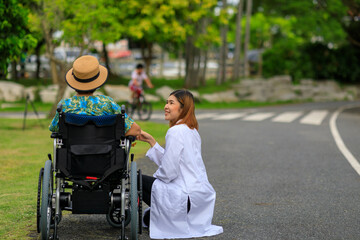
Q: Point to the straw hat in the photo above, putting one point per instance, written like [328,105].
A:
[86,74]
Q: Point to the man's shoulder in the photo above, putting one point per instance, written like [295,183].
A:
[103,98]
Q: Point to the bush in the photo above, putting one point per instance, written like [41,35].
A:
[313,60]
[347,64]
[285,57]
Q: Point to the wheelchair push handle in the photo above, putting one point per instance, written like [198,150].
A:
[131,138]
[59,108]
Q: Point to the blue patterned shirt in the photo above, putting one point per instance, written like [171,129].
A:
[90,105]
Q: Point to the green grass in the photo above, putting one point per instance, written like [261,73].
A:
[20,106]
[22,154]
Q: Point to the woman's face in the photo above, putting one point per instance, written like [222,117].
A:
[172,109]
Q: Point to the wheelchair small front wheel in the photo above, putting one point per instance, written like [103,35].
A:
[47,216]
[114,217]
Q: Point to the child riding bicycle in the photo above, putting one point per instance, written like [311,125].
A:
[137,78]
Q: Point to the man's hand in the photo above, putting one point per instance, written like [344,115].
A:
[146,137]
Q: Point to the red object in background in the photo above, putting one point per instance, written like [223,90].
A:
[119,54]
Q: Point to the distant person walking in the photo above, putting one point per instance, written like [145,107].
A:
[137,78]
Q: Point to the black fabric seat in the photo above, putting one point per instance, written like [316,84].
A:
[91,146]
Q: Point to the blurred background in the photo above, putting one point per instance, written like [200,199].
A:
[196,44]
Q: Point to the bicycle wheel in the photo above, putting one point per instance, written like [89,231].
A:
[145,110]
[129,109]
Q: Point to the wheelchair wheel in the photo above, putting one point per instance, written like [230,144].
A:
[145,110]
[38,213]
[140,200]
[134,202]
[114,217]
[46,218]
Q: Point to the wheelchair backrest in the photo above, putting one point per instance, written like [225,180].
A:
[91,145]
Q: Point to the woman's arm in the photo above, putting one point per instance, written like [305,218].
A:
[169,164]
[156,152]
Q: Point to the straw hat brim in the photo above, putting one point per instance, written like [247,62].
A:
[87,86]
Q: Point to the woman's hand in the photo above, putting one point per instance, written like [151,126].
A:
[146,137]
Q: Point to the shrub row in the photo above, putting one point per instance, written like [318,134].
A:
[315,61]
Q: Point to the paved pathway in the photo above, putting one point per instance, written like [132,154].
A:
[277,171]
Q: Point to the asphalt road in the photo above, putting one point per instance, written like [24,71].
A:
[274,180]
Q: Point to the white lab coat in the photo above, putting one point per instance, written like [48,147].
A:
[181,175]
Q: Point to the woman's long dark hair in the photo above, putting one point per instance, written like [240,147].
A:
[187,115]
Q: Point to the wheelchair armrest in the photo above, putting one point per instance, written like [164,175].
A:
[55,135]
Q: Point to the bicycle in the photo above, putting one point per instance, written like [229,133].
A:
[139,103]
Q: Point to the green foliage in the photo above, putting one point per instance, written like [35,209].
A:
[87,21]
[313,18]
[14,34]
[281,59]
[347,64]
[313,60]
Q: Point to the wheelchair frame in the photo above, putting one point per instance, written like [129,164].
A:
[112,190]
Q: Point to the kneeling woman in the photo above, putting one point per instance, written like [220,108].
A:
[180,196]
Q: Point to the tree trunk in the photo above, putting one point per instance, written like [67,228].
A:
[38,60]
[147,57]
[106,58]
[38,63]
[237,68]
[179,61]
[189,58]
[22,68]
[14,72]
[247,37]
[260,70]
[203,69]
[221,77]
[161,64]
[197,64]
[63,67]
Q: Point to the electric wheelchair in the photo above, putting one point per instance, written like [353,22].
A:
[90,173]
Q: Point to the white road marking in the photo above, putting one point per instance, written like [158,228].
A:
[230,116]
[258,116]
[315,117]
[287,117]
[205,115]
[340,143]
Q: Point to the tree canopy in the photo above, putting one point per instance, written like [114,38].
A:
[14,32]
[189,25]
